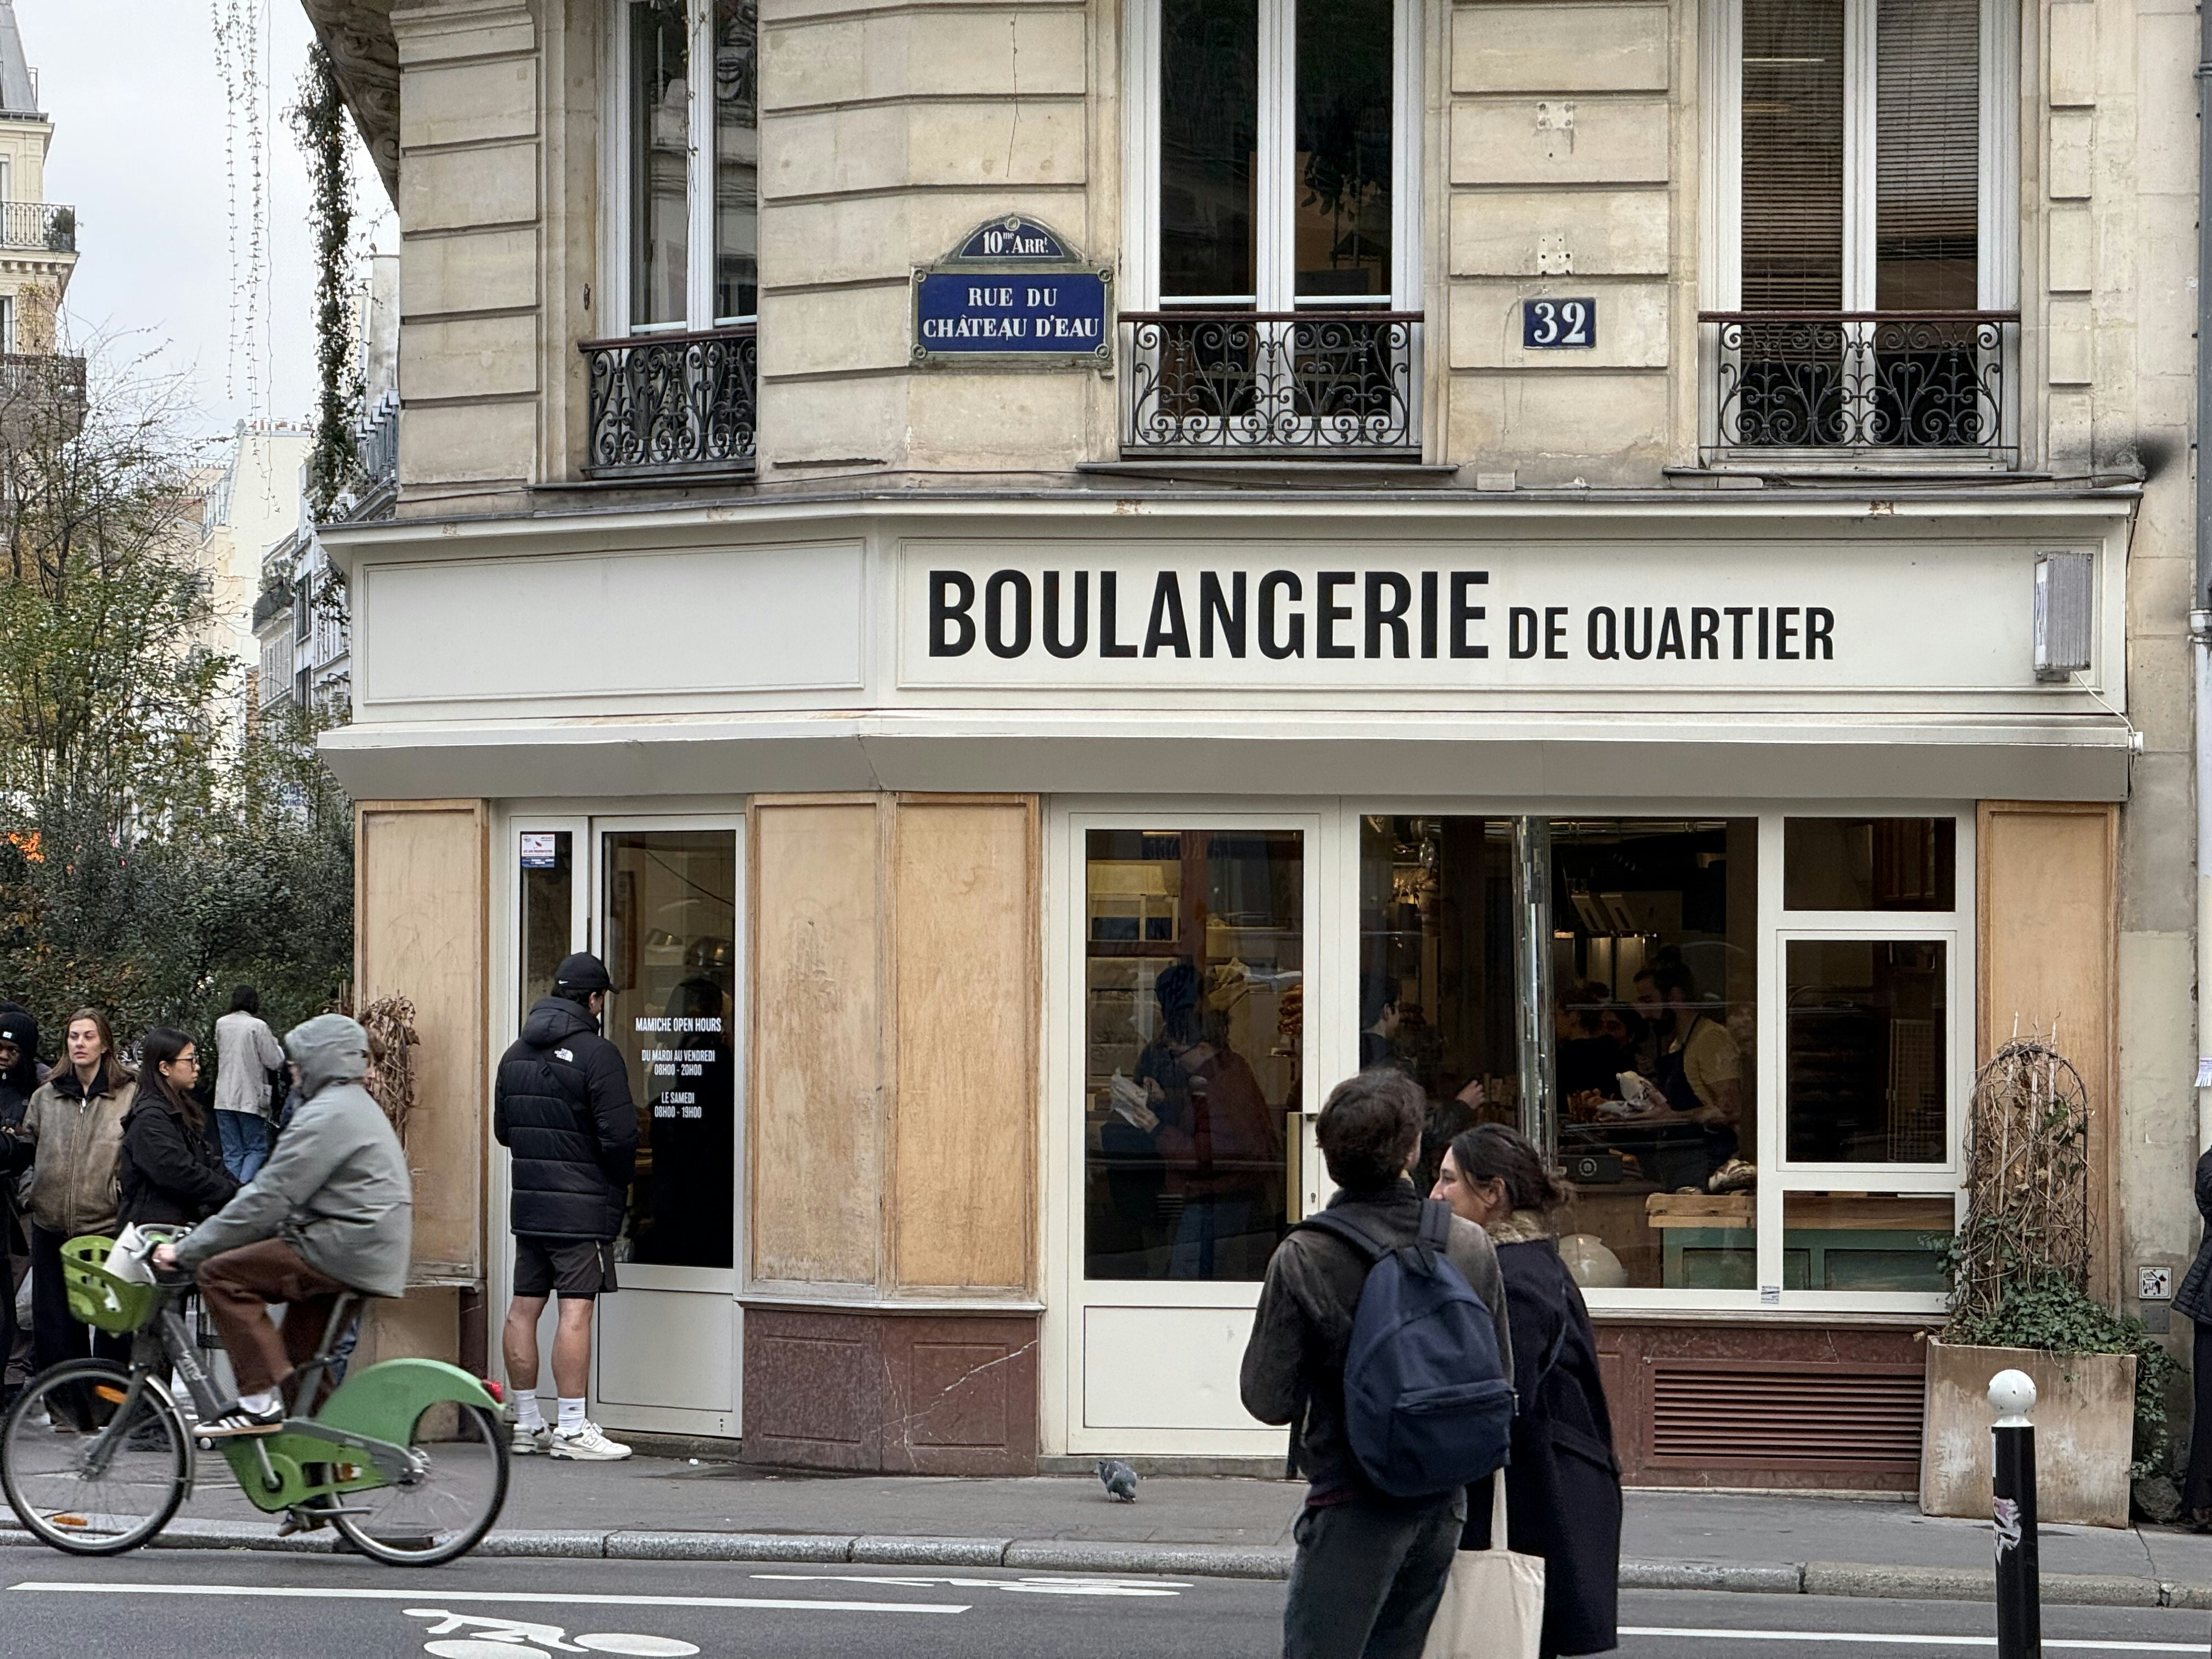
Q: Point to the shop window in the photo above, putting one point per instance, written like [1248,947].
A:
[1194,966]
[1866,1051]
[1654,1018]
[671,946]
[1870,864]
[1436,969]
[1865,254]
[549,888]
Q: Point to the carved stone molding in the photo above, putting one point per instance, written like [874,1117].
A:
[365,56]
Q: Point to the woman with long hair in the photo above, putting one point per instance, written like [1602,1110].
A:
[74,1122]
[172,1172]
[1563,1486]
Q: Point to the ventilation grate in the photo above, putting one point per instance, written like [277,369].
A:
[1738,1416]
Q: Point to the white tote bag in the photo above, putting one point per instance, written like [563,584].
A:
[1493,1605]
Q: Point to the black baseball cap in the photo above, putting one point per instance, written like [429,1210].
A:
[581,972]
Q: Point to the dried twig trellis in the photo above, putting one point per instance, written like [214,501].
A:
[390,1022]
[2027,1179]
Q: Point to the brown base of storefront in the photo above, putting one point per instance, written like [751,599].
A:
[1755,1403]
[891,1391]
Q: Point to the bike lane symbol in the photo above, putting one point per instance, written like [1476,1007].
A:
[513,1638]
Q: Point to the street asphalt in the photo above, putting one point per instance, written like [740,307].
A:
[208,1605]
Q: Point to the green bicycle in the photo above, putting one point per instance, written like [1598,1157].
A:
[407,1459]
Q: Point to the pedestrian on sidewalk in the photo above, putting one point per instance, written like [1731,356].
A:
[560,1105]
[1562,1485]
[1370,1568]
[246,1052]
[2193,1302]
[75,1123]
[171,1173]
[19,1078]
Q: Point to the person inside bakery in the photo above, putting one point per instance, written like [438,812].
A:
[1698,1072]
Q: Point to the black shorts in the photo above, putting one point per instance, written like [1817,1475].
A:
[573,1267]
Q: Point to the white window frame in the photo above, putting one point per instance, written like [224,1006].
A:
[1274,267]
[698,178]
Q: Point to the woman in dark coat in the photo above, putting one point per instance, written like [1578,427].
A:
[1563,1486]
[2193,1301]
[171,1169]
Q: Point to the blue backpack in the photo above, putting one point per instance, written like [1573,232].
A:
[1428,1406]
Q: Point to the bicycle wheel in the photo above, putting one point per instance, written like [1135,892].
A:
[95,1460]
[446,1509]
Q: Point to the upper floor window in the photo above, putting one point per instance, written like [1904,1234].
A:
[1274,235]
[1865,226]
[686,170]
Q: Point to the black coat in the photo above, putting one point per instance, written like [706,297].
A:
[1563,1486]
[169,1172]
[2193,1300]
[561,1104]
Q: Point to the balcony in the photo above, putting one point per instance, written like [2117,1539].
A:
[673,404]
[1913,387]
[49,227]
[1259,385]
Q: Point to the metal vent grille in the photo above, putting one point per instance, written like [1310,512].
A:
[1738,1415]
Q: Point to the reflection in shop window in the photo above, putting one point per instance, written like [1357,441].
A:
[1866,1050]
[549,880]
[1870,864]
[1195,956]
[672,953]
[1654,1010]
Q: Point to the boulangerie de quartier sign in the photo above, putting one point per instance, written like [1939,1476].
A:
[1663,615]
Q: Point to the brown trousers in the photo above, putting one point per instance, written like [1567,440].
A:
[238,1284]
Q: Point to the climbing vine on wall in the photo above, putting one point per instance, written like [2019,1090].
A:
[319,122]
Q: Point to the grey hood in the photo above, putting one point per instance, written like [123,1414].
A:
[328,1049]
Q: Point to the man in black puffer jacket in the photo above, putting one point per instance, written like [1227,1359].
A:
[561,1106]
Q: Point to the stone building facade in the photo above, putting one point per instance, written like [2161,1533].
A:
[1046,578]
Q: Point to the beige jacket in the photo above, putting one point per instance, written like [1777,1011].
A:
[74,1182]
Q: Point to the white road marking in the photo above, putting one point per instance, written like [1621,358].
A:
[340,1593]
[1861,1637]
[1012,1586]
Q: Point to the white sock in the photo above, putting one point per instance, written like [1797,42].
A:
[526,1414]
[263,1403]
[572,1416]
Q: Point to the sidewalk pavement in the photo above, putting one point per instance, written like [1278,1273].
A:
[664,1507]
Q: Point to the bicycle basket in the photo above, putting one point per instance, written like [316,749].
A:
[96,1296]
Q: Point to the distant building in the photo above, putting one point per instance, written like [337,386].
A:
[253,504]
[38,245]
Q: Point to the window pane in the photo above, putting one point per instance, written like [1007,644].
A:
[736,158]
[672,953]
[1655,1003]
[1866,1077]
[1793,155]
[1342,196]
[1436,969]
[1859,1241]
[660,144]
[1870,864]
[1194,1011]
[1927,154]
[549,886]
[1209,132]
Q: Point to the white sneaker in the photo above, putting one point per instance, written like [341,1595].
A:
[527,1442]
[588,1445]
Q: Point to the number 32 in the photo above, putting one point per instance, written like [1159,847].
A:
[1565,323]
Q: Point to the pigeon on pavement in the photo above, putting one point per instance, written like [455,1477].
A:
[1119,1478]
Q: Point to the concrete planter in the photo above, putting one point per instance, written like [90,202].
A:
[2084,1414]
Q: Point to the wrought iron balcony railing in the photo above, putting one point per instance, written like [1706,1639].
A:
[1233,384]
[663,404]
[47,225]
[1919,383]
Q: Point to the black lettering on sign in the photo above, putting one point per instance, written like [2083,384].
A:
[1166,631]
[1328,613]
[1604,635]
[1670,634]
[1073,645]
[1785,634]
[1462,613]
[1108,646]
[1820,625]
[952,629]
[1003,642]
[1736,613]
[1628,632]
[1763,612]
[1555,632]
[1520,632]
[1392,617]
[1704,632]
[1428,615]
[1272,644]
[1229,613]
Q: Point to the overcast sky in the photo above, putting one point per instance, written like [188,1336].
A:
[140,111]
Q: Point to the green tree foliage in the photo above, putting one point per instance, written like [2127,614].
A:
[319,122]
[156,844]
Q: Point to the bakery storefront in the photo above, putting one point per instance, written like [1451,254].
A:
[1710,849]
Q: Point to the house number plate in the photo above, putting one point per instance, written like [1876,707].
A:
[1558,325]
